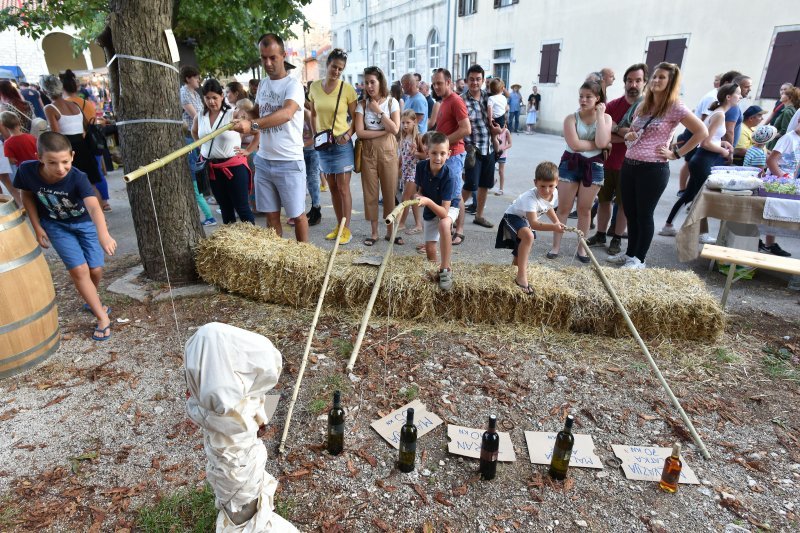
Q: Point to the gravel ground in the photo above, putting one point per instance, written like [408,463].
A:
[100,429]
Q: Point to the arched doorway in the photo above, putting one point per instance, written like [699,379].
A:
[58,55]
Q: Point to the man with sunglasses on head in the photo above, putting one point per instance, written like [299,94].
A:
[280,173]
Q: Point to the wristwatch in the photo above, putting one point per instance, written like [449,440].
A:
[254,126]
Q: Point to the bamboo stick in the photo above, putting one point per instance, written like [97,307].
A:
[376,287]
[642,345]
[324,289]
[172,156]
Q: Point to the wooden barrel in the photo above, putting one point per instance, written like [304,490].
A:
[29,331]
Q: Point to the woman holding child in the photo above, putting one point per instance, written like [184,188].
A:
[228,170]
[645,171]
[377,123]
[587,132]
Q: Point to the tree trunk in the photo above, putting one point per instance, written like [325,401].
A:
[144,90]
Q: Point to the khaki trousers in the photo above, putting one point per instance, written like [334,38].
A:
[379,167]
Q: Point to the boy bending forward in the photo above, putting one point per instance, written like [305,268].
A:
[439,192]
[65,212]
[517,229]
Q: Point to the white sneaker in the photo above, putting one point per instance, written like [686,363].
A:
[705,238]
[668,230]
[618,259]
[633,263]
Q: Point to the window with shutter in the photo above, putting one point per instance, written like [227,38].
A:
[784,64]
[504,3]
[548,70]
[669,50]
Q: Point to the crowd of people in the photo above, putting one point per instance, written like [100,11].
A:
[439,142]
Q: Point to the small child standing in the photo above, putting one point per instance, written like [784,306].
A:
[411,151]
[498,105]
[65,212]
[517,229]
[504,139]
[20,146]
[439,193]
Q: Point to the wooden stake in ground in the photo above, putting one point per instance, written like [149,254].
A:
[322,291]
[376,287]
[642,345]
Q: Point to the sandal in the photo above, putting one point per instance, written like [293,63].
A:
[369,241]
[397,240]
[525,288]
[551,255]
[413,231]
[102,333]
[460,237]
[583,258]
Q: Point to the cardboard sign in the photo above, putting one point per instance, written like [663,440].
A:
[540,448]
[271,404]
[645,463]
[467,442]
[389,426]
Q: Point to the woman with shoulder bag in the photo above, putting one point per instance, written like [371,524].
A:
[331,101]
[227,163]
[377,123]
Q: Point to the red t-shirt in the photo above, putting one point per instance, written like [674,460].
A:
[451,112]
[616,109]
[21,147]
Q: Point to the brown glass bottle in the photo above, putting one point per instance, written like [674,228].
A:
[490,446]
[336,426]
[562,451]
[672,470]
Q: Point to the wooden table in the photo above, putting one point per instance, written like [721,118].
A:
[726,207]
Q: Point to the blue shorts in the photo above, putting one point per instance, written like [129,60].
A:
[508,232]
[280,184]
[337,159]
[75,242]
[576,176]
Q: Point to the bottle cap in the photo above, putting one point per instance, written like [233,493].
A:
[492,421]
[676,449]
[568,423]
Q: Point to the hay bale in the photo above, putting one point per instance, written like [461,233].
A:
[254,262]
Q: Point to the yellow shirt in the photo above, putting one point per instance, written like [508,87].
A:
[324,105]
[745,138]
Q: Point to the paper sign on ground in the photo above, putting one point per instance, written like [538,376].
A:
[270,404]
[540,448]
[467,442]
[645,463]
[389,426]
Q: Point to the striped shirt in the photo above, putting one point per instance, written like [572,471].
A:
[755,157]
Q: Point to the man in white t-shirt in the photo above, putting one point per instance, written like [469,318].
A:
[280,173]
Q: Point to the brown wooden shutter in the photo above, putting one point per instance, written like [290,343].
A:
[784,64]
[497,3]
[548,71]
[461,7]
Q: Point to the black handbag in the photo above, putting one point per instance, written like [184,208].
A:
[95,138]
[202,162]
[325,139]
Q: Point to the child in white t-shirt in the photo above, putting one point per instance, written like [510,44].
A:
[498,105]
[517,229]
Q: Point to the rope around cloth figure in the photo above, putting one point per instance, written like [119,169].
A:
[641,343]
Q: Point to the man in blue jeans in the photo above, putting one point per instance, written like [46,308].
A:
[514,107]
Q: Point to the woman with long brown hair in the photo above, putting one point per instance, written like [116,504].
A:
[11,100]
[645,171]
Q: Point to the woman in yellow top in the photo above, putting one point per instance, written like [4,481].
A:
[336,162]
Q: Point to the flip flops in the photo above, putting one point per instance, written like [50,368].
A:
[459,236]
[369,241]
[102,334]
[527,289]
[397,240]
[413,231]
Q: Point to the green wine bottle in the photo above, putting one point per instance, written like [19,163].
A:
[336,426]
[562,451]
[408,443]
[490,446]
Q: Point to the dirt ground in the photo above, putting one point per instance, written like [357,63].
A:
[99,430]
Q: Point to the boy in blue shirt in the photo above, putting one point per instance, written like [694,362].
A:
[439,193]
[65,212]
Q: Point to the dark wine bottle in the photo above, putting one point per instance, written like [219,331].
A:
[562,451]
[408,443]
[671,474]
[336,426]
[490,447]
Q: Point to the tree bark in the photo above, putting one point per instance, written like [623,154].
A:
[144,90]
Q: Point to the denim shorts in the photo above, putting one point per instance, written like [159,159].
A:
[76,242]
[456,165]
[508,232]
[280,184]
[337,159]
[576,176]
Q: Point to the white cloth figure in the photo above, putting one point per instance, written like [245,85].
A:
[228,373]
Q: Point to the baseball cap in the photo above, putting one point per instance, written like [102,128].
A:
[752,110]
[764,134]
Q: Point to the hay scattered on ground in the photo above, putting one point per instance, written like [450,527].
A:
[254,262]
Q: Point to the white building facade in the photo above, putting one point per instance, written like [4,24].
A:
[554,44]
[398,36]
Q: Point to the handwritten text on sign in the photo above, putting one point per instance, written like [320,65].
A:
[540,448]
[645,463]
[467,442]
[389,426]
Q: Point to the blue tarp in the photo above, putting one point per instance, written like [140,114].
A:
[15,70]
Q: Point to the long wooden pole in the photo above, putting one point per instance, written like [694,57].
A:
[321,298]
[642,345]
[172,156]
[376,287]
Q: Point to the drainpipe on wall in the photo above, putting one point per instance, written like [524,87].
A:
[455,19]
